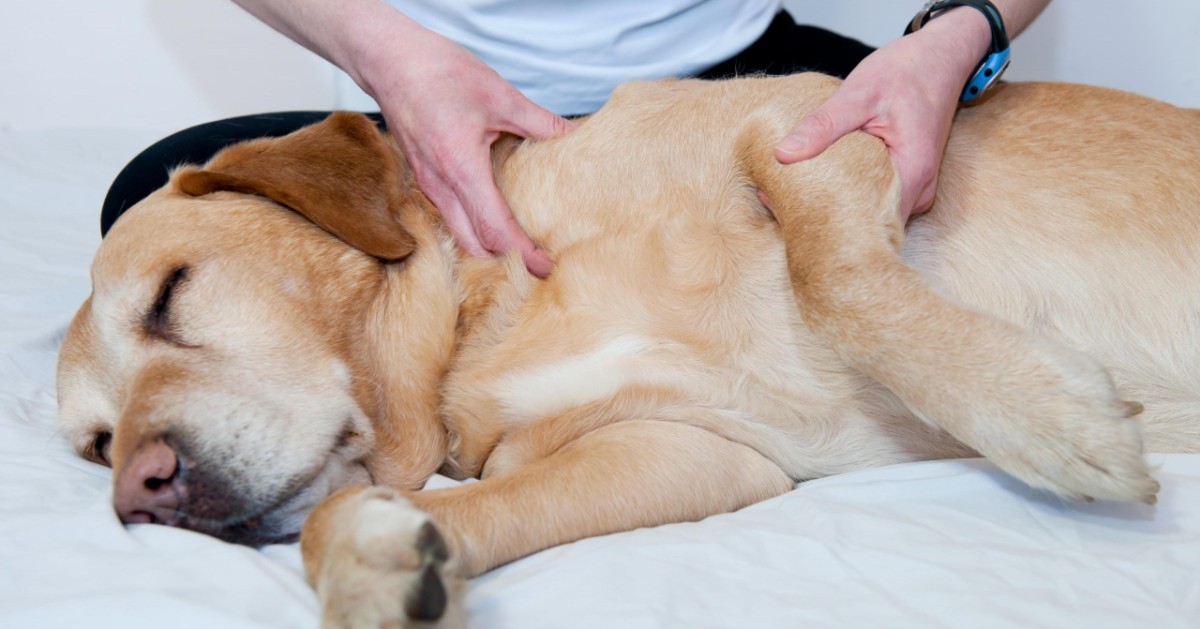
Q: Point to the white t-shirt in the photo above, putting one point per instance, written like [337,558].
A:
[568,55]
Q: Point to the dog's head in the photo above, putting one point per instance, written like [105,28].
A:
[243,323]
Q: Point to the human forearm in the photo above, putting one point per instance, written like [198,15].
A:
[347,33]
[1018,14]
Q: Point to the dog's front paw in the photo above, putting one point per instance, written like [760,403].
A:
[1070,434]
[386,567]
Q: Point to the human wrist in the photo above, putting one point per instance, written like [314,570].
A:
[370,37]
[960,37]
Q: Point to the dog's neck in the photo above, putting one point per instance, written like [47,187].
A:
[428,308]
[408,344]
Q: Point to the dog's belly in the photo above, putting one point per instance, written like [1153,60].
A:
[1080,222]
[1134,309]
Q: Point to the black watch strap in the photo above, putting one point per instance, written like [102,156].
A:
[994,63]
[989,11]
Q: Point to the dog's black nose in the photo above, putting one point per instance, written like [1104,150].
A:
[149,488]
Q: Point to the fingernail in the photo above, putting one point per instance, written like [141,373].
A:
[762,196]
[539,264]
[792,144]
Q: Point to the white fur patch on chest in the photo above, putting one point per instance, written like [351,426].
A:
[582,378]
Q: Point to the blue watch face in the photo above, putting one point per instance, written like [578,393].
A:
[986,74]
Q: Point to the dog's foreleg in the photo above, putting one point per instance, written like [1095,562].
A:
[377,554]
[377,561]
[619,477]
[1044,413]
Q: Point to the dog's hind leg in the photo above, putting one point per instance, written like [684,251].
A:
[1044,413]
[375,554]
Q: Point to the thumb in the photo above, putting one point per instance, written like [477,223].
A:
[539,124]
[815,133]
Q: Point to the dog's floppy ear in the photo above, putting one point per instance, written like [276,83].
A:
[339,173]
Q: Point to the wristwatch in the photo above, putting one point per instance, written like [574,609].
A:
[994,63]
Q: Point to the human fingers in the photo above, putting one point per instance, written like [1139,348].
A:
[452,162]
[528,120]
[915,130]
[817,131]
[455,218]
[491,220]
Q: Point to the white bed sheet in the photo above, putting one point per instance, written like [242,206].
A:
[940,544]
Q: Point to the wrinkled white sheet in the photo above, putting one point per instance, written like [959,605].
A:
[942,544]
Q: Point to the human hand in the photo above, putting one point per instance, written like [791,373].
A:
[446,108]
[904,93]
[443,105]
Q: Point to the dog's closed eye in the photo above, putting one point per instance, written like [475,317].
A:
[157,320]
[97,451]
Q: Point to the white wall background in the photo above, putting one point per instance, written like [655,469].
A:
[167,64]
[1149,46]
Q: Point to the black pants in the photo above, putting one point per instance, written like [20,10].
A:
[785,48]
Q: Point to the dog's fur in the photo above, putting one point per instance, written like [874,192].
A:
[693,351]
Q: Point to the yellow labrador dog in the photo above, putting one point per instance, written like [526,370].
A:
[290,327]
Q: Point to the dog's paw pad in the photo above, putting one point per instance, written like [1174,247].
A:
[427,598]
[390,568]
[431,544]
